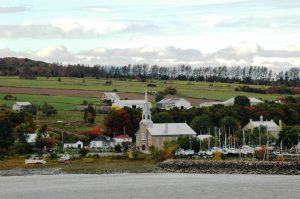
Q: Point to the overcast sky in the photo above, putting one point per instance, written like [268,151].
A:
[165,32]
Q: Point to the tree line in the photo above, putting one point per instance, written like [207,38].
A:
[26,68]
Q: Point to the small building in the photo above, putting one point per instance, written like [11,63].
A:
[120,139]
[112,96]
[271,126]
[103,142]
[73,144]
[169,103]
[31,138]
[150,134]
[19,106]
[203,137]
[130,103]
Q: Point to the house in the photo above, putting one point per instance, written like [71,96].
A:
[130,103]
[271,126]
[230,102]
[169,103]
[121,139]
[112,96]
[151,134]
[31,138]
[73,144]
[103,142]
[19,106]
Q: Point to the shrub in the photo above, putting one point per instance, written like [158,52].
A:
[53,156]
[108,83]
[118,148]
[151,85]
[59,79]
[84,151]
[170,90]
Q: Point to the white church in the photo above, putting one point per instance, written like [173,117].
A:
[150,134]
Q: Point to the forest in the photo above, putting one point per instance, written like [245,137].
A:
[30,69]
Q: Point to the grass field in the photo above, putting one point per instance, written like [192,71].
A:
[66,107]
[205,90]
[61,103]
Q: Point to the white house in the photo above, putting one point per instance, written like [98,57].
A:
[230,102]
[112,96]
[103,142]
[130,103]
[19,106]
[150,134]
[169,103]
[73,144]
[120,139]
[31,138]
[271,126]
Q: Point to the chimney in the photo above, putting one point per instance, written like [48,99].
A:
[166,128]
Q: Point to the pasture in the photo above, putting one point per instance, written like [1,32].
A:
[203,90]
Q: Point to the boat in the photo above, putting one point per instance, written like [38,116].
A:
[35,160]
[247,150]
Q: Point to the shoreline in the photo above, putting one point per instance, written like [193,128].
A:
[230,167]
[174,166]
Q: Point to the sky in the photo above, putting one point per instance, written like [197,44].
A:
[164,32]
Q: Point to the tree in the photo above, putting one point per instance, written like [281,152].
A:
[94,132]
[241,101]
[202,123]
[6,135]
[159,96]
[89,114]
[124,119]
[162,117]
[187,142]
[289,136]
[48,110]
[170,90]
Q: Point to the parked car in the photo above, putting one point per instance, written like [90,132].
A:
[35,160]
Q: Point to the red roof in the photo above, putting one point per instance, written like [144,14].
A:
[122,136]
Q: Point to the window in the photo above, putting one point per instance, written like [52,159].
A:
[148,117]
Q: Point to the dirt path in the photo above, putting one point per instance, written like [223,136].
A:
[85,93]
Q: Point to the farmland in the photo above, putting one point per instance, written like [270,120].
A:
[191,89]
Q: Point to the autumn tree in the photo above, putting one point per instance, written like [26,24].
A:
[124,119]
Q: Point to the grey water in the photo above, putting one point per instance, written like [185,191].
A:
[152,185]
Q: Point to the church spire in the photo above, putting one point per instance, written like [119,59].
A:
[146,115]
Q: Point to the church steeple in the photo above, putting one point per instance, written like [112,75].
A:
[146,114]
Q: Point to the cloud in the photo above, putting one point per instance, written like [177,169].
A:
[15,9]
[63,28]
[243,54]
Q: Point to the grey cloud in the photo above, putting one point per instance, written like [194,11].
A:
[169,56]
[15,9]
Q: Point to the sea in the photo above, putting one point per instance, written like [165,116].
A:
[149,185]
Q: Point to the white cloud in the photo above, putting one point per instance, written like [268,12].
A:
[243,54]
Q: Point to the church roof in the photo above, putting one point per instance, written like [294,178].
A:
[171,129]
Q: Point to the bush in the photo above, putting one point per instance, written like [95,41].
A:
[108,83]
[53,156]
[118,148]
[84,151]
[170,90]
[59,79]
[159,96]
[151,85]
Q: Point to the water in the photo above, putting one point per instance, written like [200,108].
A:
[167,185]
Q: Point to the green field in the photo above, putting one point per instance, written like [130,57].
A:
[66,107]
[61,103]
[204,90]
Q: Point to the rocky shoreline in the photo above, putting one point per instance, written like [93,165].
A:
[230,167]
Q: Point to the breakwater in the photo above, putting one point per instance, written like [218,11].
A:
[230,167]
